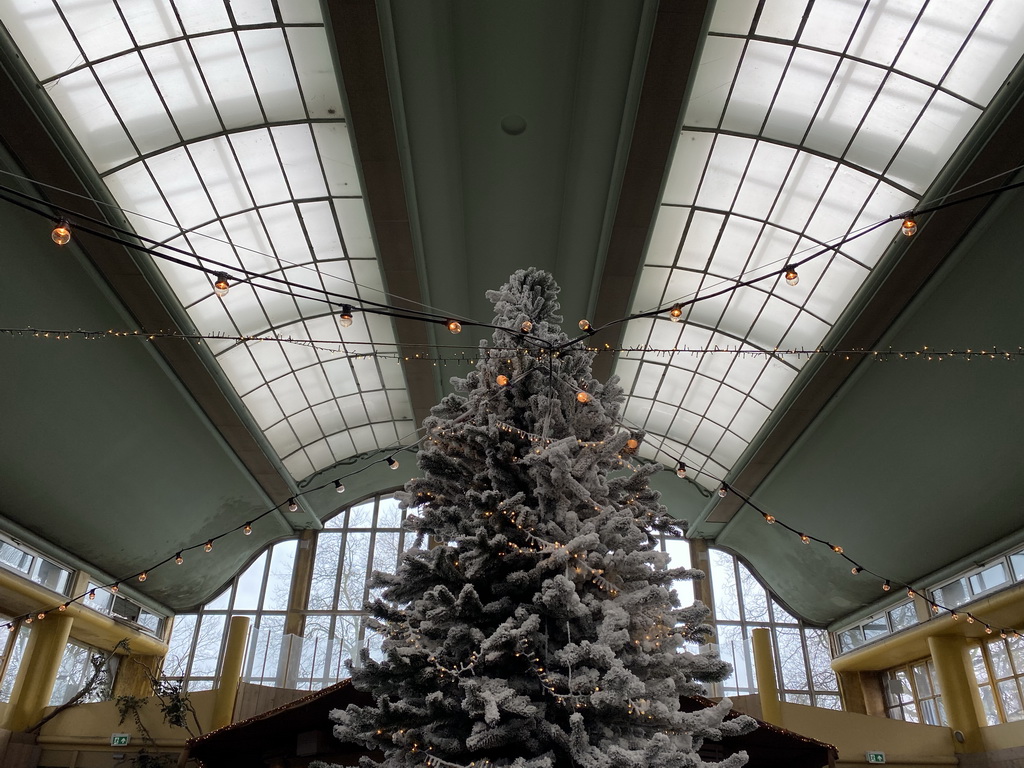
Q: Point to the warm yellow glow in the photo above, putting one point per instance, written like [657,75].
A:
[675,313]
[247,530]
[791,276]
[584,325]
[632,444]
[345,316]
[583,397]
[143,576]
[909,226]
[455,326]
[208,546]
[221,285]
[61,234]
[502,380]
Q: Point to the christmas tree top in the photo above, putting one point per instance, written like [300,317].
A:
[534,625]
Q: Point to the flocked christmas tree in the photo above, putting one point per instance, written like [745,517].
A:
[535,626]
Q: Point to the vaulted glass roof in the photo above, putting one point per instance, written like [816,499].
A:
[806,123]
[219,128]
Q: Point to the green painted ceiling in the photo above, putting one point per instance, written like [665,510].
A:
[487,137]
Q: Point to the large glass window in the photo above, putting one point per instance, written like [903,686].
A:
[33,566]
[75,671]
[803,660]
[912,694]
[13,643]
[363,538]
[999,671]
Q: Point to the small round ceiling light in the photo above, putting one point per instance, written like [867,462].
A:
[221,285]
[345,316]
[61,233]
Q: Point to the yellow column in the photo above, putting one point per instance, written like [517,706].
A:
[38,671]
[230,671]
[700,559]
[764,669]
[960,695]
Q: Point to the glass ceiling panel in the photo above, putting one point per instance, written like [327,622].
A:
[806,122]
[225,136]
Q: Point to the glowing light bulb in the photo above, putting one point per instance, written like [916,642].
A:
[92,594]
[770,519]
[723,492]
[886,586]
[28,620]
[527,326]
[675,313]
[583,397]
[345,316]
[221,285]
[585,325]
[247,530]
[856,570]
[143,576]
[837,549]
[970,619]
[61,234]
[681,470]
[909,226]
[502,380]
[632,444]
[115,588]
[178,559]
[63,607]
[42,615]
[454,326]
[805,538]
[911,593]
[208,546]
[392,463]
[293,505]
[339,487]
[955,615]
[791,276]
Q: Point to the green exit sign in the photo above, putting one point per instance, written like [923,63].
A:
[875,757]
[120,739]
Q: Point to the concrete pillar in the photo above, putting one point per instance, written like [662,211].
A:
[38,671]
[302,574]
[960,695]
[767,682]
[230,671]
[700,559]
[862,693]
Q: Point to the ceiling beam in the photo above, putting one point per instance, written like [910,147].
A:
[674,46]
[357,36]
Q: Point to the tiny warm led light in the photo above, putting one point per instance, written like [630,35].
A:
[632,444]
[247,530]
[454,326]
[64,607]
[345,316]
[178,559]
[221,285]
[955,615]
[911,593]
[681,470]
[909,226]
[28,620]
[293,505]
[970,619]
[791,276]
[92,594]
[675,313]
[339,486]
[502,380]
[42,615]
[585,325]
[143,576]
[805,538]
[115,588]
[208,546]
[583,397]
[527,326]
[392,462]
[770,519]
[988,630]
[837,549]
[61,234]
[723,491]
[886,586]
[856,570]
